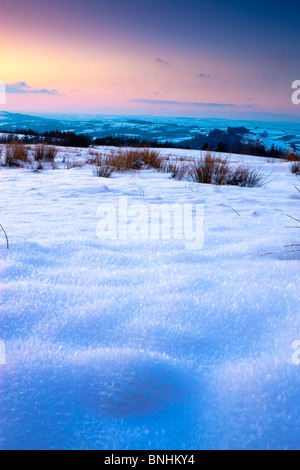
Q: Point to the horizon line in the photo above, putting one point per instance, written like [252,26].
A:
[265,117]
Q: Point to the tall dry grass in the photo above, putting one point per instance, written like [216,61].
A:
[125,159]
[210,170]
[16,153]
[291,156]
[217,171]
[295,168]
[46,153]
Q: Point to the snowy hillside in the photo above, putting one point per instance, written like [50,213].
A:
[144,344]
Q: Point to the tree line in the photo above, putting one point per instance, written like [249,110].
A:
[71,139]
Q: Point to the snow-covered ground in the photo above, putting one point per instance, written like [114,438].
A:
[122,344]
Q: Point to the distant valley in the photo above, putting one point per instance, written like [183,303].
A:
[186,131]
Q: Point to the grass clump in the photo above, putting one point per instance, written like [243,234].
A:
[218,171]
[45,153]
[69,164]
[292,156]
[295,168]
[50,153]
[134,159]
[177,171]
[16,154]
[210,170]
[104,168]
[125,159]
[104,171]
[151,158]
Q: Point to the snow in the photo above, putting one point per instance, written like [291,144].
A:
[122,344]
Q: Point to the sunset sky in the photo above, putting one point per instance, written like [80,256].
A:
[195,58]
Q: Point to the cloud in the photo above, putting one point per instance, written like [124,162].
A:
[181,103]
[161,61]
[24,88]
[204,75]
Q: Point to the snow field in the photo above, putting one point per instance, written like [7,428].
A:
[121,344]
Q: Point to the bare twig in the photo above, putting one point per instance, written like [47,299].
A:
[7,244]
[271,253]
[235,211]
[293,218]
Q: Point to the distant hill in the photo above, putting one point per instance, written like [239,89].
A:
[12,121]
[218,140]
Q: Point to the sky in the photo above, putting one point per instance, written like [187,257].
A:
[195,58]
